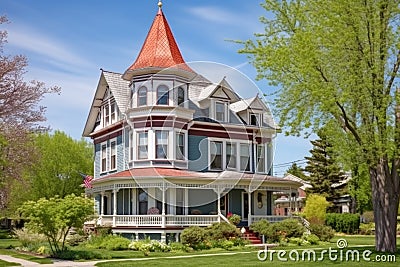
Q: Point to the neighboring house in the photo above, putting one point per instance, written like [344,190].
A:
[172,149]
[287,204]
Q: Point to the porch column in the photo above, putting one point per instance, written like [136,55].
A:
[163,209]
[249,200]
[102,204]
[115,191]
[219,205]
[296,204]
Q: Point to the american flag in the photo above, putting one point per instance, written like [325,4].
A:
[87,180]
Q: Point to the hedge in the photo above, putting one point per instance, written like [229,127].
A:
[343,222]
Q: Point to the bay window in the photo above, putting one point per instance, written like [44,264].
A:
[142,145]
[244,157]
[216,155]
[231,155]
[180,146]
[161,144]
[260,158]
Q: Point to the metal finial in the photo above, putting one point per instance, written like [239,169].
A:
[159,4]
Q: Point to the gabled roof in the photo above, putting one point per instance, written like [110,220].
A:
[224,86]
[120,90]
[159,50]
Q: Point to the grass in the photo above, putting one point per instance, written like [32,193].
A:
[23,256]
[6,263]
[249,258]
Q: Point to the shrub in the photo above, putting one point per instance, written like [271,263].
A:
[76,239]
[234,219]
[31,241]
[222,231]
[311,238]
[368,217]
[193,236]
[323,232]
[343,222]
[291,228]
[81,255]
[367,228]
[261,227]
[109,242]
[315,209]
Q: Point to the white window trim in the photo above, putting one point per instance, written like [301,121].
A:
[259,119]
[265,158]
[136,135]
[233,141]
[185,143]
[110,155]
[213,110]
[105,169]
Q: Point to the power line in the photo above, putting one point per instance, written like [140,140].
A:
[300,161]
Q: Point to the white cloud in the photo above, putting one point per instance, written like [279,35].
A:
[52,51]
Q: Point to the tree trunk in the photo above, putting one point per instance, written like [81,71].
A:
[385,200]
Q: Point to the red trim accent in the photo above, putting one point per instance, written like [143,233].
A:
[106,130]
[107,137]
[225,135]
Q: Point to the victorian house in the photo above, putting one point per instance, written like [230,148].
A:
[173,149]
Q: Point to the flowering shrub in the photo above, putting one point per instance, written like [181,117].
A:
[153,210]
[147,246]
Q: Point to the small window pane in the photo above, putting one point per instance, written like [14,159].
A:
[231,155]
[162,95]
[180,146]
[244,157]
[142,96]
[220,111]
[260,158]
[216,155]
[103,158]
[113,159]
[142,145]
[161,144]
[181,96]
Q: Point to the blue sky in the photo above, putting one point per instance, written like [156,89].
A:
[67,42]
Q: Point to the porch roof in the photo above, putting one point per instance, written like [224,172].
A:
[180,174]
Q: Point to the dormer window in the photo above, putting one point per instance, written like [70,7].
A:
[181,96]
[255,119]
[221,113]
[142,96]
[162,95]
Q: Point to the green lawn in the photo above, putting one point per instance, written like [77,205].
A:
[249,258]
[6,263]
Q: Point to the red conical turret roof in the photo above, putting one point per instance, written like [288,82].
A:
[160,49]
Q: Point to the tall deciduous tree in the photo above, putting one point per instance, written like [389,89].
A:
[60,161]
[339,60]
[20,114]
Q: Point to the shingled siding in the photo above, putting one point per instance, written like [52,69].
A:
[198,153]
[120,154]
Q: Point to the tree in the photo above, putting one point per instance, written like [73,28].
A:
[60,161]
[297,171]
[323,170]
[337,63]
[20,115]
[315,209]
[54,217]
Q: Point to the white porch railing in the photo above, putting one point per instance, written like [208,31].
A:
[157,220]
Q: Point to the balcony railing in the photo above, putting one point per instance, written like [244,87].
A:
[170,220]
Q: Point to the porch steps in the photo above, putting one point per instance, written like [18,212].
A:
[252,237]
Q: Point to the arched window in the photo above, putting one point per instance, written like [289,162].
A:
[162,95]
[181,96]
[142,96]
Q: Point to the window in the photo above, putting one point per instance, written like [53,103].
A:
[142,145]
[113,156]
[255,119]
[103,157]
[142,96]
[143,201]
[161,144]
[131,146]
[244,157]
[260,158]
[106,116]
[216,155]
[231,155]
[162,95]
[220,111]
[113,113]
[181,96]
[180,146]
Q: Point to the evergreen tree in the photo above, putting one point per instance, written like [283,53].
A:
[297,171]
[323,169]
